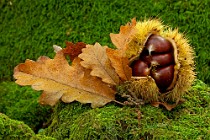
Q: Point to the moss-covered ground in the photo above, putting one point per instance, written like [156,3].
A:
[21,103]
[17,130]
[26,118]
[189,120]
[8,126]
[28,29]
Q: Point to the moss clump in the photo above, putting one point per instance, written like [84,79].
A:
[12,129]
[16,130]
[76,121]
[41,137]
[21,103]
[189,120]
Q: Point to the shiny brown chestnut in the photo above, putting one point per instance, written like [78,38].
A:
[140,68]
[158,59]
[158,44]
[163,76]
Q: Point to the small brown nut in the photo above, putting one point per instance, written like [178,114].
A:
[158,44]
[163,59]
[158,59]
[140,68]
[163,77]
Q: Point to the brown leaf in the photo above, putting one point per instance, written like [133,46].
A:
[95,58]
[120,63]
[59,80]
[169,107]
[73,50]
[50,98]
[120,40]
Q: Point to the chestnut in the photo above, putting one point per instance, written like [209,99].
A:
[163,77]
[163,59]
[158,44]
[158,59]
[140,68]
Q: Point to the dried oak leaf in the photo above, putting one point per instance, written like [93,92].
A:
[168,106]
[95,58]
[73,50]
[59,80]
[121,39]
[120,63]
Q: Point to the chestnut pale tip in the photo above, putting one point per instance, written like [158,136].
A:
[151,49]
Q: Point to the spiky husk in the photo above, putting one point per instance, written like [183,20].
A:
[185,56]
[145,88]
[140,35]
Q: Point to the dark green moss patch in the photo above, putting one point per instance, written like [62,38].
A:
[21,103]
[17,130]
[12,129]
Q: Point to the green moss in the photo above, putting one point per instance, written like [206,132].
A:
[21,103]
[76,121]
[29,30]
[11,129]
[189,120]
[41,137]
[17,130]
